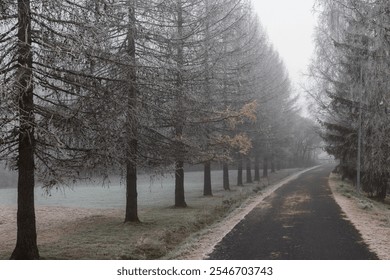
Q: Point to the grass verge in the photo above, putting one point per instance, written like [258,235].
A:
[163,229]
[370,217]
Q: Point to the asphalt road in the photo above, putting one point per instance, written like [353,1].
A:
[300,221]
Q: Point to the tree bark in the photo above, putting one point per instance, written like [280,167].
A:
[132,125]
[26,242]
[226,185]
[179,124]
[131,193]
[248,170]
[239,172]
[179,185]
[207,190]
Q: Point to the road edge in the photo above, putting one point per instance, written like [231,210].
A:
[367,220]
[204,242]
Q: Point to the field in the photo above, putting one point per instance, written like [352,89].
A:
[82,232]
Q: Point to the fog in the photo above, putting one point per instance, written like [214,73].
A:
[151,192]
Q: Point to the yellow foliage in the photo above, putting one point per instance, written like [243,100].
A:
[247,112]
[241,142]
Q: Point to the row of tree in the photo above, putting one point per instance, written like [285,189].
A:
[97,87]
[351,72]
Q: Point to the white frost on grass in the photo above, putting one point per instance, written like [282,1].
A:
[52,222]
[371,218]
[57,222]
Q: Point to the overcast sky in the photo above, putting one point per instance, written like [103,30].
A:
[290,26]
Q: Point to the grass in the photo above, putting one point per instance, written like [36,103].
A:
[347,189]
[363,200]
[370,216]
[163,229]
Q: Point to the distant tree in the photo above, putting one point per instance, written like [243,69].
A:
[193,55]
[275,110]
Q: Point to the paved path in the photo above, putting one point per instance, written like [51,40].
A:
[300,221]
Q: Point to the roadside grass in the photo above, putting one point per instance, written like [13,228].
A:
[162,229]
[101,237]
[347,189]
[371,217]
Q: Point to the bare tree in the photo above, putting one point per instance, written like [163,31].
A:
[26,244]
[46,80]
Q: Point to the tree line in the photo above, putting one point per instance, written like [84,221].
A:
[352,89]
[96,87]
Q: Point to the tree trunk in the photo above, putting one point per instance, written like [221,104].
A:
[131,193]
[239,172]
[26,242]
[179,122]
[248,170]
[265,167]
[179,185]
[226,185]
[207,190]
[257,168]
[132,126]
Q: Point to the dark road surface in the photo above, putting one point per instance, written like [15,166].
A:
[300,221]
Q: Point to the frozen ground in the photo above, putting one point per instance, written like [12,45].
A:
[61,213]
[152,192]
[56,219]
[371,218]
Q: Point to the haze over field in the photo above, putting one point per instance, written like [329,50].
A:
[152,192]
[122,87]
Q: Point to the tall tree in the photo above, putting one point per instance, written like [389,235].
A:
[178,121]
[44,85]
[207,188]
[352,88]
[26,242]
[131,122]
